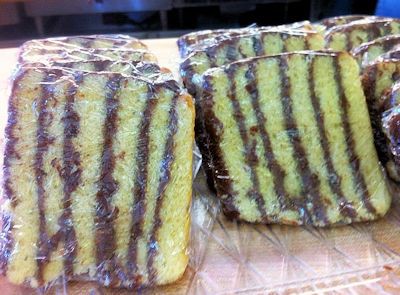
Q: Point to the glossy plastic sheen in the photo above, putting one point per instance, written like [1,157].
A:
[97,172]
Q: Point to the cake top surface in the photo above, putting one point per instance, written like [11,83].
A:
[391,55]
[309,54]
[98,41]
[344,19]
[146,69]
[198,40]
[367,24]
[221,44]
[386,41]
[36,54]
[64,74]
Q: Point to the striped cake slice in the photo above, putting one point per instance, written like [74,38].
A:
[244,46]
[377,79]
[353,34]
[391,128]
[291,142]
[97,179]
[368,52]
[34,54]
[88,41]
[192,41]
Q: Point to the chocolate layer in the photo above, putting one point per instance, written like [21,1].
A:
[353,157]
[105,212]
[141,182]
[165,177]
[310,181]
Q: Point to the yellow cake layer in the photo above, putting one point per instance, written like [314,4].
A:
[322,94]
[166,233]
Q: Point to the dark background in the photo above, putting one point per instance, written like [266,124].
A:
[20,20]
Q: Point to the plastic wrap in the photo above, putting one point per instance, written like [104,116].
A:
[377,78]
[342,20]
[97,173]
[350,35]
[295,133]
[198,40]
[369,51]
[391,125]
[234,257]
[243,46]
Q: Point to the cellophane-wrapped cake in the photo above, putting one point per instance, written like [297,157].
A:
[97,169]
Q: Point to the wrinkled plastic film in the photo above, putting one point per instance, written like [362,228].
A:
[231,256]
[97,171]
[257,106]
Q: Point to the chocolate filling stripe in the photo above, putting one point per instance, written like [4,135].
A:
[140,185]
[6,237]
[258,45]
[213,129]
[349,42]
[165,175]
[71,173]
[107,185]
[251,157]
[278,173]
[310,181]
[334,179]
[353,157]
[11,140]
[43,141]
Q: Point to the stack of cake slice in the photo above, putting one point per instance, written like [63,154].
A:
[375,43]
[98,167]
[279,129]
[378,79]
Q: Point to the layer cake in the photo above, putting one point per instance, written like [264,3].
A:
[97,179]
[289,140]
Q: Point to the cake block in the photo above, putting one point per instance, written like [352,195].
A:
[289,140]
[98,179]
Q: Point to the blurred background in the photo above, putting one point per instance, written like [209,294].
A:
[27,19]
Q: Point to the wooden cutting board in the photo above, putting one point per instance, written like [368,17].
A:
[231,257]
